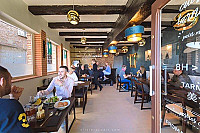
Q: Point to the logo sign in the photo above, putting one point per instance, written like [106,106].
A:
[186,19]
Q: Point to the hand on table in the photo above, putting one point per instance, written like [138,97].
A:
[16,92]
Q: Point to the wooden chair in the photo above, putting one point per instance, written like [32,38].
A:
[88,79]
[139,92]
[121,84]
[178,103]
[81,92]
[132,85]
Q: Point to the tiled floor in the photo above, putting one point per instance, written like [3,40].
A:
[111,111]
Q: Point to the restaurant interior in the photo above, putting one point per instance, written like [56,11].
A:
[132,66]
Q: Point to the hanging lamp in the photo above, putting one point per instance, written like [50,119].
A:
[112,49]
[142,42]
[105,53]
[83,39]
[134,33]
[73,16]
[124,49]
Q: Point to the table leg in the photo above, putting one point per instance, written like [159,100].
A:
[66,121]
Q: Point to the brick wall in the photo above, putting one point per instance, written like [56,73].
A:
[103,60]
[40,62]
[9,36]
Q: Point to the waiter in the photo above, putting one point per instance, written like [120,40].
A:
[96,75]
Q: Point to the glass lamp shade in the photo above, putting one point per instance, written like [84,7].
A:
[112,49]
[73,17]
[125,49]
[83,40]
[105,54]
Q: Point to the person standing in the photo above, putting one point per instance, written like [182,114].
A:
[96,75]
[12,115]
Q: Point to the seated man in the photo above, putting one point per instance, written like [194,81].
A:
[124,77]
[12,115]
[62,83]
[72,75]
[179,77]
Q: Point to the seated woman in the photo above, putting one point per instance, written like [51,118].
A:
[72,75]
[142,72]
[124,77]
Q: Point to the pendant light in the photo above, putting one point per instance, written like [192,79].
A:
[142,42]
[105,53]
[73,16]
[83,39]
[124,49]
[112,48]
[134,33]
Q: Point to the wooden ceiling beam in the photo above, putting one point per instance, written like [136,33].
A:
[81,25]
[88,39]
[82,10]
[81,33]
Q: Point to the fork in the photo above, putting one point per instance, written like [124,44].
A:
[51,114]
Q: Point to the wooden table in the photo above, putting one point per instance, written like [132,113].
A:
[85,84]
[53,123]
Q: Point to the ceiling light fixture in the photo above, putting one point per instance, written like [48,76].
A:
[134,33]
[142,42]
[83,39]
[73,16]
[124,49]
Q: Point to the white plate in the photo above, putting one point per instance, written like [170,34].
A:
[79,82]
[61,108]
[59,97]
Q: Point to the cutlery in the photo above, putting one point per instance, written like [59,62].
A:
[51,114]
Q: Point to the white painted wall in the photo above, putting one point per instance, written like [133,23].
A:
[16,12]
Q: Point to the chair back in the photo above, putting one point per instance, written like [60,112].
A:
[139,86]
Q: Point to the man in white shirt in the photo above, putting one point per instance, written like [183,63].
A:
[62,83]
[72,75]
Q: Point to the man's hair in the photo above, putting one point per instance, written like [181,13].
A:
[66,68]
[94,60]
[123,66]
[4,73]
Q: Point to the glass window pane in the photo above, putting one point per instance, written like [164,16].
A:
[15,50]
[180,49]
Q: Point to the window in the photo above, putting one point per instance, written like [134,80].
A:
[15,50]
[51,57]
[64,58]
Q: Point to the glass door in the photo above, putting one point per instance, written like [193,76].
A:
[180,67]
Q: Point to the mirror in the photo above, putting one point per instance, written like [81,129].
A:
[133,60]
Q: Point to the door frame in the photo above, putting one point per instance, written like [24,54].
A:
[156,61]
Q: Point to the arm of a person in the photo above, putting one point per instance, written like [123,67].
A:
[75,77]
[68,88]
[50,87]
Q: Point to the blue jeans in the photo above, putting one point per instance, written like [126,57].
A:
[125,85]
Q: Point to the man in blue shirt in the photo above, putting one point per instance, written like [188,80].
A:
[12,115]
[124,77]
